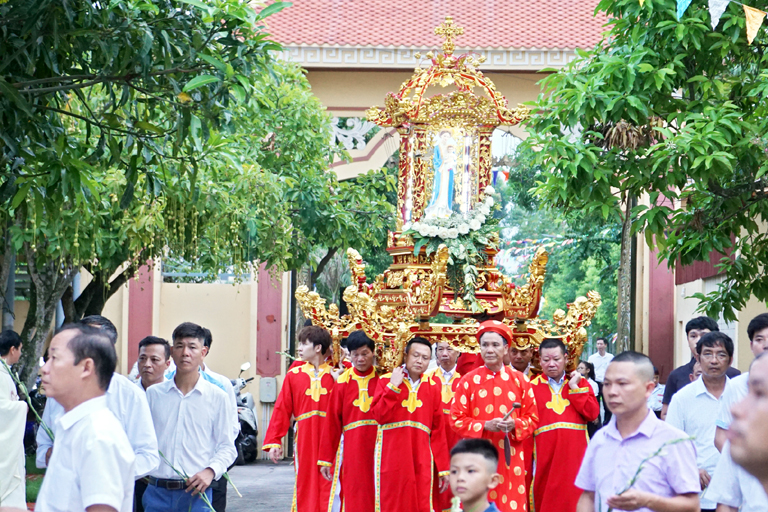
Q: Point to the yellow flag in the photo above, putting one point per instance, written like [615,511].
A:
[754,20]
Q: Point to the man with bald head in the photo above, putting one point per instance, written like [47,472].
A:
[496,402]
[668,482]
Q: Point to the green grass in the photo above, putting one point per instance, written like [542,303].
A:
[34,479]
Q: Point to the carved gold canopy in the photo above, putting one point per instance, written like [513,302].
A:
[444,168]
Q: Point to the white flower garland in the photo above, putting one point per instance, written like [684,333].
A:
[457,223]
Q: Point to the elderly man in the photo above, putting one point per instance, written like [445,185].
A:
[92,467]
[668,482]
[497,403]
[13,416]
[566,404]
[409,410]
[447,377]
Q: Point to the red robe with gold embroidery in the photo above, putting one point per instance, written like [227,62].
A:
[442,501]
[350,414]
[560,442]
[305,396]
[483,395]
[410,442]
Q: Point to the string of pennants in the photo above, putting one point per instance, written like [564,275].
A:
[754,17]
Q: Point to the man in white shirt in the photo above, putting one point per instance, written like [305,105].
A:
[219,487]
[154,360]
[694,408]
[193,421]
[757,330]
[13,418]
[92,467]
[747,434]
[600,361]
[126,402]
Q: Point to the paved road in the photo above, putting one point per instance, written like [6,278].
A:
[265,487]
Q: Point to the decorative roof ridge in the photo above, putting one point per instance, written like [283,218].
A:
[433,48]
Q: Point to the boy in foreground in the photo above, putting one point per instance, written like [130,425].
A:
[473,474]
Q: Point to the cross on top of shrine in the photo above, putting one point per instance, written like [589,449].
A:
[449,32]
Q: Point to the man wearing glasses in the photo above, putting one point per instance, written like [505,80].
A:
[694,408]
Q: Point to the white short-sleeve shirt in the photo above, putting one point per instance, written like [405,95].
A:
[93,463]
[129,405]
[693,410]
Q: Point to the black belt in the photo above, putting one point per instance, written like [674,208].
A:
[165,483]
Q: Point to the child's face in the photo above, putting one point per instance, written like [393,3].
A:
[471,477]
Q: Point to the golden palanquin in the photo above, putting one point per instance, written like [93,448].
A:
[455,129]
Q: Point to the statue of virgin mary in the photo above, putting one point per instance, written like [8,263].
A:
[444,164]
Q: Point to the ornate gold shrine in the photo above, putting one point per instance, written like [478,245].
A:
[445,167]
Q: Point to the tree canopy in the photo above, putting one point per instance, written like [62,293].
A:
[671,113]
[137,129]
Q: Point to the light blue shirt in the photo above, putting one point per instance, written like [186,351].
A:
[556,385]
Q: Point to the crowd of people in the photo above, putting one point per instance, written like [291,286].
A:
[482,430]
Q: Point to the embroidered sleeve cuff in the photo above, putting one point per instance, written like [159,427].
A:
[443,473]
[270,446]
[579,391]
[393,388]
[324,464]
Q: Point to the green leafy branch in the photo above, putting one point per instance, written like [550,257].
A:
[643,462]
[185,477]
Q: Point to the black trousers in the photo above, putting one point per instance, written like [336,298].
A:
[219,499]
[601,399]
[138,492]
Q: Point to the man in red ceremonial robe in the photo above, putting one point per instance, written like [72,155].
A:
[447,377]
[566,404]
[305,396]
[482,401]
[409,409]
[349,414]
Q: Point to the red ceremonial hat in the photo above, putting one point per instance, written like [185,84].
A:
[499,328]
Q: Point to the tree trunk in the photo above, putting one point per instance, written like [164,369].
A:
[624,327]
[94,297]
[321,266]
[48,281]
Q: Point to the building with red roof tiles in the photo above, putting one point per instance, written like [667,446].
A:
[356,51]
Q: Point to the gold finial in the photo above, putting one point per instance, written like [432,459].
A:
[449,32]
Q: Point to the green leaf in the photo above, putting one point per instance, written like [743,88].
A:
[20,195]
[198,4]
[213,62]
[200,81]
[273,9]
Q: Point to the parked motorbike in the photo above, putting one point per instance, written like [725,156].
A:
[247,442]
